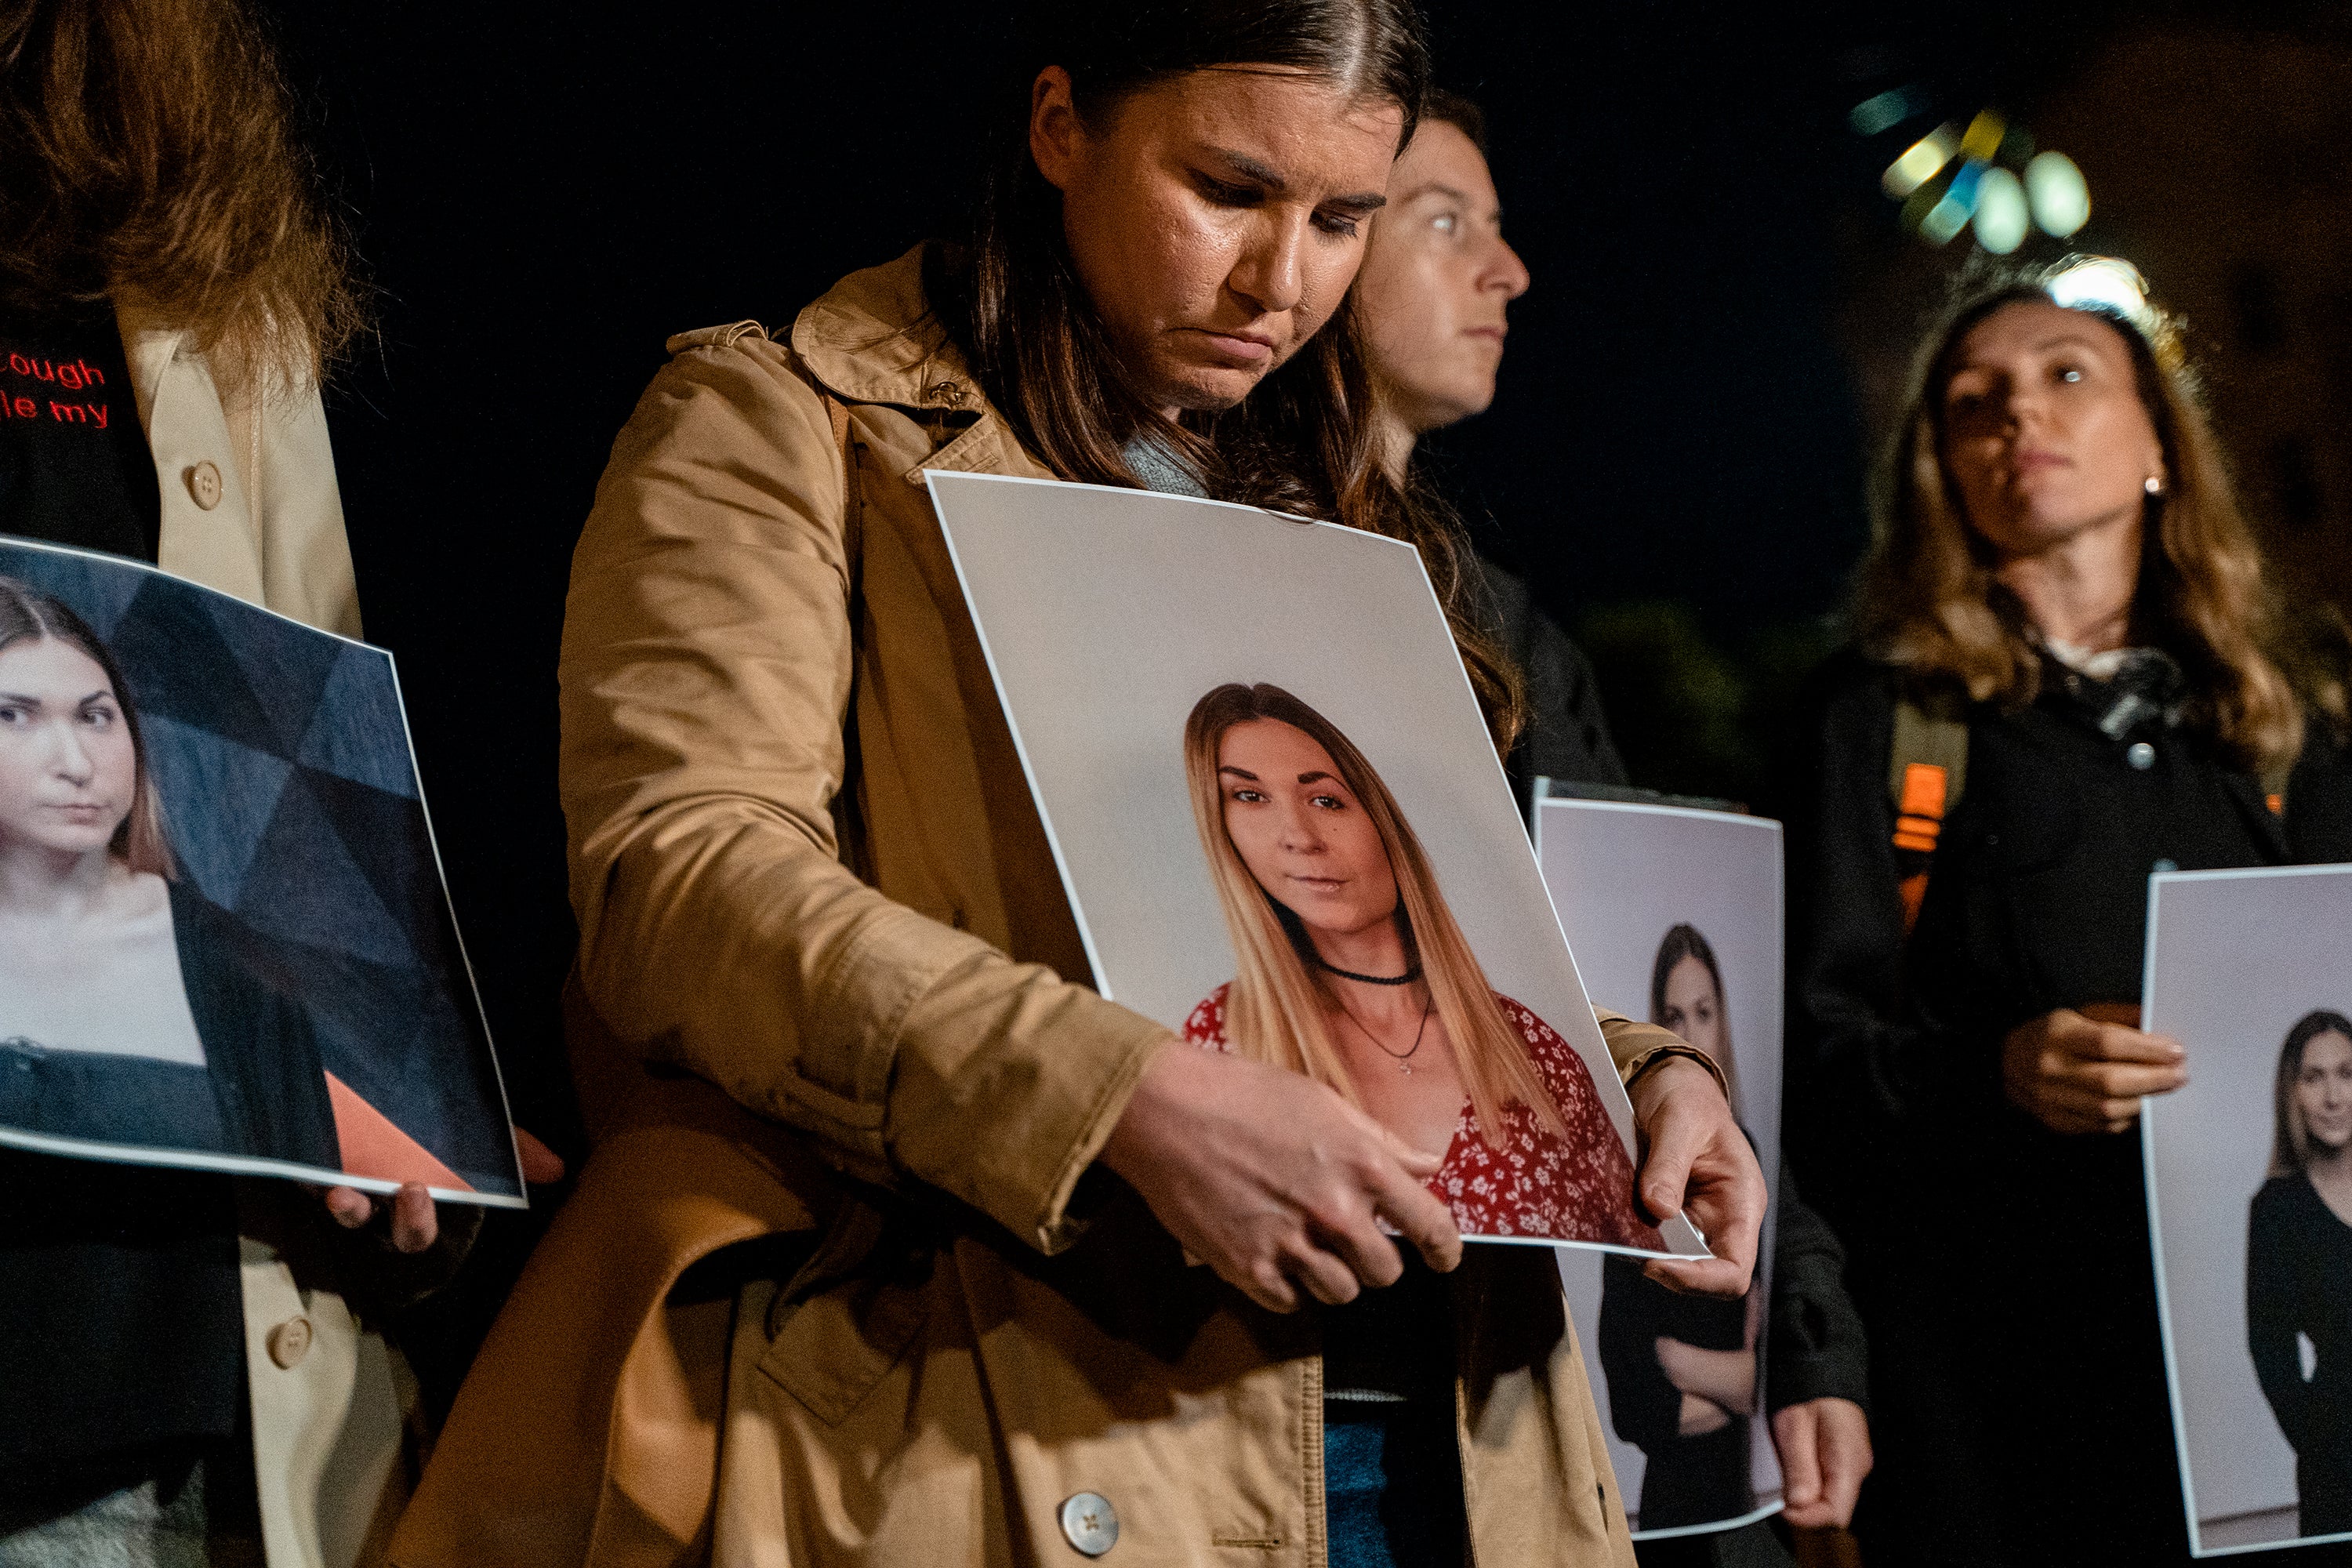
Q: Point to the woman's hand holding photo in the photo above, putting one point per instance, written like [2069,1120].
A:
[1696,1161]
[1274,1181]
[414,1224]
[2084,1072]
[1824,1449]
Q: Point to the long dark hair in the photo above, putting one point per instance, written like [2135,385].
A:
[2290,1139]
[1304,441]
[27,615]
[1925,599]
[147,151]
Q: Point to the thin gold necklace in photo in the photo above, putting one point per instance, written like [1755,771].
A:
[1403,1062]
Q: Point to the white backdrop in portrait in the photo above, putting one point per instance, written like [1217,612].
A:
[1108,614]
[2234,959]
[1621,876]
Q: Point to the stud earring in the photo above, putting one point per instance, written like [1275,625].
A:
[2155,485]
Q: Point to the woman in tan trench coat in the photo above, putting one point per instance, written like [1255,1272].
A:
[851,1094]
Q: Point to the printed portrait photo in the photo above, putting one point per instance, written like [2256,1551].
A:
[1282,823]
[223,938]
[1682,909]
[2250,1194]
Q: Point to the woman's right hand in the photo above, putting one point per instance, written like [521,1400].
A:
[1274,1181]
[2084,1072]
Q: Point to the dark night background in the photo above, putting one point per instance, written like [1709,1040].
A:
[1723,304]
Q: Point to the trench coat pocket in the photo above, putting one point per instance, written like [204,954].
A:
[828,1350]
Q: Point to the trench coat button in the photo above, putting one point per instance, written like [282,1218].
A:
[1090,1523]
[2141,755]
[204,484]
[290,1341]
[948,392]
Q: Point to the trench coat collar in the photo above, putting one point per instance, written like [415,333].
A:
[874,339]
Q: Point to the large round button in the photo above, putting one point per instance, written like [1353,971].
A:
[290,1341]
[2141,755]
[1090,1523]
[204,484]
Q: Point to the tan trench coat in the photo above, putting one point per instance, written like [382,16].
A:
[808,871]
[329,1428]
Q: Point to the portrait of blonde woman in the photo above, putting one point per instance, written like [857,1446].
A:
[1352,970]
[1681,1368]
[2299,1267]
[129,1012]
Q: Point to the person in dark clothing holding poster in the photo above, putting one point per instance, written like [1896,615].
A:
[1436,285]
[2070,673]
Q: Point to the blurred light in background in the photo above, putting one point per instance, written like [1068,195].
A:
[1951,215]
[2002,219]
[1921,162]
[1887,110]
[2059,197]
[1985,187]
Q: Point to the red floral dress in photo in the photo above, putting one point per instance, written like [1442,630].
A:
[1536,1185]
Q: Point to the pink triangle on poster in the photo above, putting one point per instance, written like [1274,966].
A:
[373,1146]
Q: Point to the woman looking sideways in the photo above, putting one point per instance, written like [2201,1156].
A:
[2299,1266]
[2065,622]
[808,871]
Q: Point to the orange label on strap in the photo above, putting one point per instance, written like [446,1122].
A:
[1923,791]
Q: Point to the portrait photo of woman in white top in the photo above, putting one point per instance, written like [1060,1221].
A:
[134,1020]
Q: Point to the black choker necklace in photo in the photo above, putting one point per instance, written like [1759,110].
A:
[1407,978]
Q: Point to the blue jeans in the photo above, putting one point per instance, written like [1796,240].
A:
[1393,1484]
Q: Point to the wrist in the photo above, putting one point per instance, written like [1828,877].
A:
[1667,1073]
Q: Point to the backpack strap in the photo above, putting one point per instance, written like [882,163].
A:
[1927,769]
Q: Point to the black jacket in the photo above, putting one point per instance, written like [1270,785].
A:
[2003,1270]
[1567,736]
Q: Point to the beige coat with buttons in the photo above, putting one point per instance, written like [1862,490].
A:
[250,507]
[809,875]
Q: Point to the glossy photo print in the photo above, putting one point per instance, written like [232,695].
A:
[2249,1198]
[225,942]
[1679,912]
[1273,804]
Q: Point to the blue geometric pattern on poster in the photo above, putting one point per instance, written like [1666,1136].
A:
[356,731]
[291,800]
[239,788]
[98,594]
[305,886]
[286,667]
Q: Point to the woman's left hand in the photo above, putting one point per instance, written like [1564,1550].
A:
[1696,1161]
[414,1225]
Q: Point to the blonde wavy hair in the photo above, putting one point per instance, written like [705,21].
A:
[147,156]
[1925,598]
[1274,1010]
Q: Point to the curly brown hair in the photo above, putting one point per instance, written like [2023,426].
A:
[1925,599]
[147,156]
